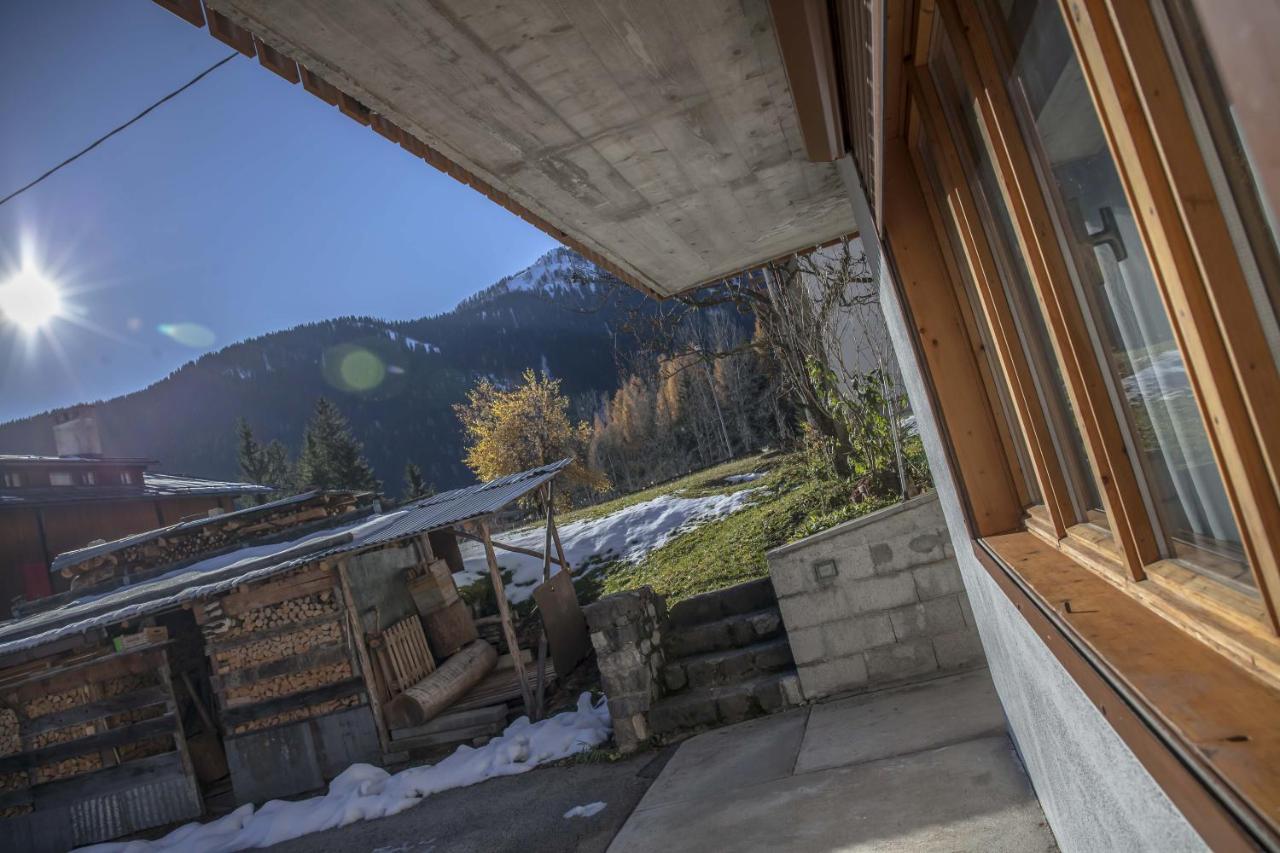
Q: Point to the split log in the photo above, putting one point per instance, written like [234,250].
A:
[435,693]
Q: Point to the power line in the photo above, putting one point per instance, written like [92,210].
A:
[194,80]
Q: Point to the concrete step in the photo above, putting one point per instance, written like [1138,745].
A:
[711,606]
[727,632]
[719,706]
[729,666]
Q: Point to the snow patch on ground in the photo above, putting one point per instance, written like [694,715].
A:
[589,810]
[744,478]
[626,535]
[365,792]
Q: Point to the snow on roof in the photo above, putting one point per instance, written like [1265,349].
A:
[37,459]
[152,486]
[218,574]
[79,555]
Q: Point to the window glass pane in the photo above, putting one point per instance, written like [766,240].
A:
[1118,290]
[1015,278]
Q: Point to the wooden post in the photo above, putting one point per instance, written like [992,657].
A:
[548,496]
[504,615]
[362,654]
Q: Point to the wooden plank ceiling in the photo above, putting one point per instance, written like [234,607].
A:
[659,136]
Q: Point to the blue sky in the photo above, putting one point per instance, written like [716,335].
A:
[245,205]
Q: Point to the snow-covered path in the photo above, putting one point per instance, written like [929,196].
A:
[365,792]
[627,535]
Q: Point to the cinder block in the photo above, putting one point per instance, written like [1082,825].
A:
[788,573]
[833,676]
[853,634]
[938,579]
[958,649]
[807,645]
[967,609]
[901,660]
[801,611]
[880,593]
[936,616]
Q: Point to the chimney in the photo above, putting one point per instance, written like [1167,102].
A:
[75,432]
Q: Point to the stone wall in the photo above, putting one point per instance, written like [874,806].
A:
[875,600]
[626,630]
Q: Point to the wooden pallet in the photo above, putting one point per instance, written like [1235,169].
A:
[403,654]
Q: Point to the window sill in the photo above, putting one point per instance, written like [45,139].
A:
[1203,727]
[1232,623]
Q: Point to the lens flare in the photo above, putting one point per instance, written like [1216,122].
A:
[353,368]
[188,334]
[361,370]
[30,300]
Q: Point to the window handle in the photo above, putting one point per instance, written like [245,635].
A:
[1109,235]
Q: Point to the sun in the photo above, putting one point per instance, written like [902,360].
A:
[29,299]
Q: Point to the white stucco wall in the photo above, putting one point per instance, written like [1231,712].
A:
[1095,793]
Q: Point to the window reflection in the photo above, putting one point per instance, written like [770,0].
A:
[1118,289]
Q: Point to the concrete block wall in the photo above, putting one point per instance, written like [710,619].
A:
[626,631]
[875,600]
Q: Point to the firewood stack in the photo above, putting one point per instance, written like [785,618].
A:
[52,704]
[186,542]
[286,638]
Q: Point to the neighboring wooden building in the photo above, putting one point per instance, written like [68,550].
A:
[258,647]
[51,504]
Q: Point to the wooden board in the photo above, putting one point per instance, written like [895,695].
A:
[563,621]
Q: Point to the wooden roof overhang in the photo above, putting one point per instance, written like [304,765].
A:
[656,138]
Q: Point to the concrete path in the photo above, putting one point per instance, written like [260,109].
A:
[510,814]
[926,767]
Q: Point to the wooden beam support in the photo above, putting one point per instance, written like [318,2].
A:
[803,28]
[504,615]
[367,678]
[504,546]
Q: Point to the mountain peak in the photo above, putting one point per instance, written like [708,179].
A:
[558,269]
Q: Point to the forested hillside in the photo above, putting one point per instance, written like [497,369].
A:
[396,382]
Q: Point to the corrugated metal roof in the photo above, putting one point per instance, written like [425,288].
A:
[449,508]
[79,555]
[152,486]
[221,574]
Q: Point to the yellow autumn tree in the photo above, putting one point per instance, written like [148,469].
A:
[513,430]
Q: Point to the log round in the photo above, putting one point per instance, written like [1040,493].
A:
[432,695]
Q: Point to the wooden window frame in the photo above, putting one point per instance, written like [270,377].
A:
[1128,540]
[1060,556]
[1229,360]
[1235,623]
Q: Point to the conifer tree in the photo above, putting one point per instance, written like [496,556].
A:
[250,454]
[331,457]
[268,466]
[414,486]
[278,470]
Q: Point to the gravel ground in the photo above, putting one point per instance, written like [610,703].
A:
[513,813]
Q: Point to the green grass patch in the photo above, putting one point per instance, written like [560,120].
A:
[790,505]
